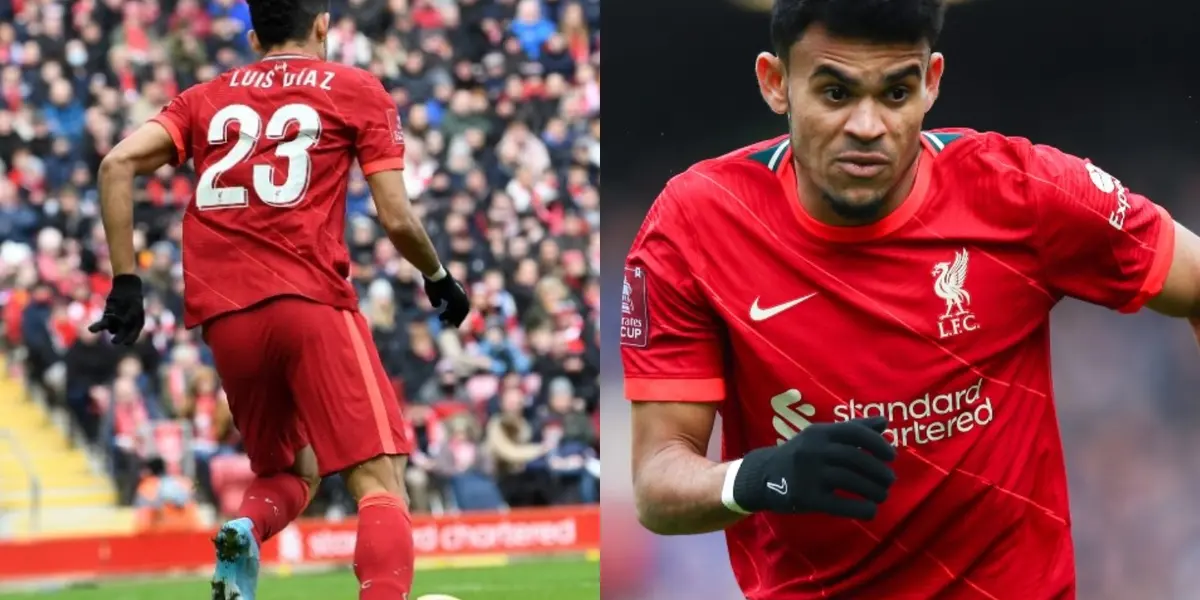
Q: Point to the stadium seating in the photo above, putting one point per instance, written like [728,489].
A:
[231,476]
[40,468]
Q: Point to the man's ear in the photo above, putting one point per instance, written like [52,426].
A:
[772,81]
[322,27]
[933,79]
[255,45]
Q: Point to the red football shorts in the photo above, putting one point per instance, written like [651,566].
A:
[299,373]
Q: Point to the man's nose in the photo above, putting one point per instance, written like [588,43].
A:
[866,122]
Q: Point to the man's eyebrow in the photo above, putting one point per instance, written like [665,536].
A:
[841,76]
[902,74]
[834,73]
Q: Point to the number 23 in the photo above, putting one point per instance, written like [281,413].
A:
[299,163]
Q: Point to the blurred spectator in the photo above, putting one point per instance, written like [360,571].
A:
[128,418]
[569,433]
[423,482]
[464,466]
[43,349]
[206,409]
[164,501]
[91,364]
[500,101]
[510,443]
[532,30]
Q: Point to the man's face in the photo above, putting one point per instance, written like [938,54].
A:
[855,110]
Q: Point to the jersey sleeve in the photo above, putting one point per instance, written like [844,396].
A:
[380,136]
[176,118]
[671,340]
[1097,240]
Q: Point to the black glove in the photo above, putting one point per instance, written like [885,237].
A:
[124,314]
[449,299]
[805,474]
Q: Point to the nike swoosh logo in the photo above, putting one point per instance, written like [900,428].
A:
[762,314]
[778,488]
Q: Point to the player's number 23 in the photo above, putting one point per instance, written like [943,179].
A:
[250,126]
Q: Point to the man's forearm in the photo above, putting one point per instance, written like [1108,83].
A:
[679,493]
[116,210]
[413,242]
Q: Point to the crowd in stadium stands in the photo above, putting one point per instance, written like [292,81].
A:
[501,105]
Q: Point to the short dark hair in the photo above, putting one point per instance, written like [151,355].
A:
[157,466]
[909,21]
[279,21]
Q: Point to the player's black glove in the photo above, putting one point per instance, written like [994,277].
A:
[449,298]
[815,470]
[124,314]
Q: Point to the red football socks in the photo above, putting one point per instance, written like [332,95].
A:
[383,556]
[273,502]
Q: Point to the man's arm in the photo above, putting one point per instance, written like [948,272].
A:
[380,150]
[674,359]
[677,489]
[1180,295]
[148,149]
[839,469]
[403,227]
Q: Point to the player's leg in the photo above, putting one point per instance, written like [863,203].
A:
[253,374]
[383,553]
[270,503]
[275,499]
[353,421]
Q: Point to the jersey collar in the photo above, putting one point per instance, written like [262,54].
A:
[289,56]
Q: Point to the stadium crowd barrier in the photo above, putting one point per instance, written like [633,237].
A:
[468,537]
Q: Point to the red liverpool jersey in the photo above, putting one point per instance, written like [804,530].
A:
[272,144]
[936,317]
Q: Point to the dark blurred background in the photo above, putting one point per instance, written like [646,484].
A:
[1114,81]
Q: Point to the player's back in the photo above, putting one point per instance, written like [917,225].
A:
[272,144]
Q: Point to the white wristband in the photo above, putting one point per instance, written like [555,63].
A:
[727,489]
[440,275]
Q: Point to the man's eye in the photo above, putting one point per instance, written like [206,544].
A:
[836,93]
[898,94]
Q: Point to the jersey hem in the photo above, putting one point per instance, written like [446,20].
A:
[1156,277]
[384,164]
[644,389]
[192,323]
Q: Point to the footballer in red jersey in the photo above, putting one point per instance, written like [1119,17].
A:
[867,305]
[266,275]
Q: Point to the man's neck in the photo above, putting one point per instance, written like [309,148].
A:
[290,49]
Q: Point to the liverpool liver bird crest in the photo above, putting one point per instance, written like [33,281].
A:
[949,279]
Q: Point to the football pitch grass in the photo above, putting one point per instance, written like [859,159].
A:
[557,579]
